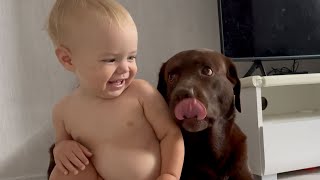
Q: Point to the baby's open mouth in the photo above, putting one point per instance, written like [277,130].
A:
[117,83]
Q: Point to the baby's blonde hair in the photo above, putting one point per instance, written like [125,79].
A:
[110,10]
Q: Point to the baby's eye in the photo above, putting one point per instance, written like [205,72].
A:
[131,58]
[108,60]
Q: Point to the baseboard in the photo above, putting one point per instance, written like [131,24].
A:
[31,177]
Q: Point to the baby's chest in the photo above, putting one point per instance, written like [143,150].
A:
[107,123]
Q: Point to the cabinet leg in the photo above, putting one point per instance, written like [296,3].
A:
[266,177]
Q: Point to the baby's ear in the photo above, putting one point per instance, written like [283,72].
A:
[64,56]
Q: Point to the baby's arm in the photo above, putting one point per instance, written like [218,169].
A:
[171,140]
[67,152]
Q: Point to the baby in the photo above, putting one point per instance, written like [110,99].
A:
[123,121]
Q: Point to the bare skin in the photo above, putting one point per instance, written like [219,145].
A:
[123,141]
[124,122]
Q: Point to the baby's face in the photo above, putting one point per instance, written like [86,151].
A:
[104,57]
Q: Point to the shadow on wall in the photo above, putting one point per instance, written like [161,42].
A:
[27,160]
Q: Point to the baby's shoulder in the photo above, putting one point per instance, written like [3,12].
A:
[142,87]
[62,105]
[145,91]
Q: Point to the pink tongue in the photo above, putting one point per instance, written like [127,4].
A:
[190,108]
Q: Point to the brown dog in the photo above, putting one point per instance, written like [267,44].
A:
[202,88]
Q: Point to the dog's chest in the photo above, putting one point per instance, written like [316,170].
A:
[201,161]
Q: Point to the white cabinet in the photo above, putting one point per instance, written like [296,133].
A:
[281,118]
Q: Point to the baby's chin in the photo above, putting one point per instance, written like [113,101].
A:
[111,95]
[107,94]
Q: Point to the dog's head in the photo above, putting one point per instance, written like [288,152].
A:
[201,87]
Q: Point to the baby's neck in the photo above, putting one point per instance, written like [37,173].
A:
[87,95]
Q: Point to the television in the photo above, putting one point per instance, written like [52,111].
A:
[260,30]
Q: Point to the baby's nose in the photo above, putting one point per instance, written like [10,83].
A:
[123,67]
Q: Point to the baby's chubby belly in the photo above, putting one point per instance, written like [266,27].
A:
[122,162]
[123,142]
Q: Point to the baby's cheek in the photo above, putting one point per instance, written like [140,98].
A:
[134,67]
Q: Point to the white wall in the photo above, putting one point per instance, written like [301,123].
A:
[169,26]
[32,80]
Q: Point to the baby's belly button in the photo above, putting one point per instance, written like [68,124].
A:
[121,163]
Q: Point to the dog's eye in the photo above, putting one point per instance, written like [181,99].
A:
[172,77]
[207,71]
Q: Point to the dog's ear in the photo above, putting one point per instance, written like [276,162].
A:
[162,85]
[233,77]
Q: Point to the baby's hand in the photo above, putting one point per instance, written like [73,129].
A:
[166,177]
[68,154]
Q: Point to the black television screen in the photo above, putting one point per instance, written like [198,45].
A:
[270,29]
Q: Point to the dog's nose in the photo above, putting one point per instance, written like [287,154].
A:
[184,93]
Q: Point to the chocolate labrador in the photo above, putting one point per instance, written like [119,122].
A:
[202,90]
